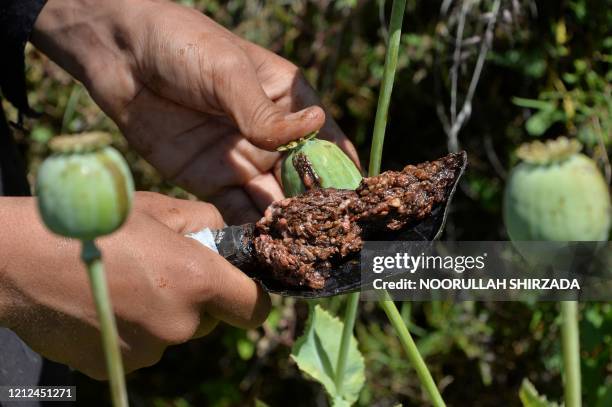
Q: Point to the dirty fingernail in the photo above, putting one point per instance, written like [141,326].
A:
[306,114]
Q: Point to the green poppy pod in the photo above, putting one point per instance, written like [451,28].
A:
[556,194]
[85,187]
[314,163]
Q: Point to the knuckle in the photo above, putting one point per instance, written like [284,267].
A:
[261,311]
[149,351]
[294,70]
[162,208]
[202,284]
[180,332]
[151,358]
[190,266]
[144,200]
[290,74]
[261,115]
[206,327]
[95,372]
[298,75]
[228,58]
[231,63]
[90,361]
[215,217]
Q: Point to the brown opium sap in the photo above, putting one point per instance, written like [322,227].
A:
[301,239]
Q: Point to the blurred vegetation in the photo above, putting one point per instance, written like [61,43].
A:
[548,73]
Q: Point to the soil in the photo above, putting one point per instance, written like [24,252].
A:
[301,238]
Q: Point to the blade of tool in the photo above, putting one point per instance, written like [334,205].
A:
[235,244]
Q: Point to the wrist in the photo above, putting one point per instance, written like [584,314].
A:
[7,303]
[13,213]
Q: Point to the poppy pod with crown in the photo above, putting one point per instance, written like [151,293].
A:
[556,194]
[314,163]
[84,188]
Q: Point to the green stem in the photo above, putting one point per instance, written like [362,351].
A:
[384,98]
[570,343]
[347,333]
[411,349]
[380,125]
[92,257]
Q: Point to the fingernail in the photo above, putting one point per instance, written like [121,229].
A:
[309,113]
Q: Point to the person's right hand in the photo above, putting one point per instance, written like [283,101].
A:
[204,106]
[165,288]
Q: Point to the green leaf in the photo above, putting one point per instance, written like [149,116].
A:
[531,398]
[316,354]
[41,134]
[340,402]
[533,103]
[345,4]
[538,123]
[245,348]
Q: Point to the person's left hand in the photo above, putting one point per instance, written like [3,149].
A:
[165,288]
[199,103]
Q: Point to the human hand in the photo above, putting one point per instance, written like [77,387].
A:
[165,288]
[196,101]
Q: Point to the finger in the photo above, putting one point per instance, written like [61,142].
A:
[232,160]
[197,215]
[236,206]
[167,134]
[295,93]
[260,120]
[180,215]
[291,91]
[241,304]
[278,172]
[228,294]
[302,95]
[263,190]
[207,325]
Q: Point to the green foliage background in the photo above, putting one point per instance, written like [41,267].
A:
[548,74]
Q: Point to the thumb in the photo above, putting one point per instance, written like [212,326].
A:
[261,121]
[268,126]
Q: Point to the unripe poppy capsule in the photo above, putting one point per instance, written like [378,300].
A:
[556,194]
[314,163]
[85,187]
